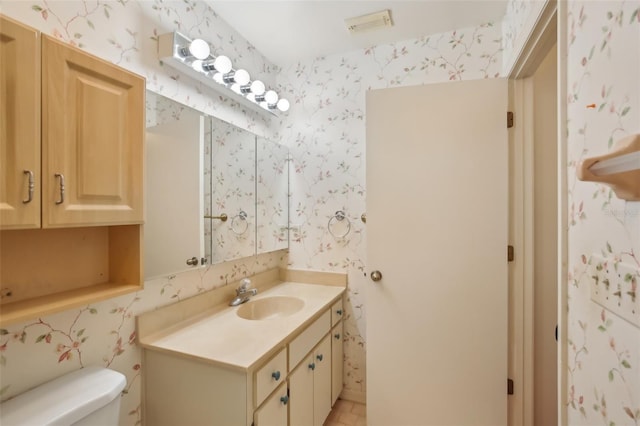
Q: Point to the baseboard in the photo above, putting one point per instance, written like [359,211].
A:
[354,396]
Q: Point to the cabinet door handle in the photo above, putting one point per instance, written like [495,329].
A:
[312,366]
[336,336]
[276,375]
[61,177]
[319,357]
[32,186]
[284,399]
[339,312]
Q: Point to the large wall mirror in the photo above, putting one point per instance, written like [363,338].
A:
[214,192]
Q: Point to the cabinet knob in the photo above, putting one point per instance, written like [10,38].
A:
[376,276]
[319,357]
[284,399]
[339,312]
[312,366]
[276,375]
[336,336]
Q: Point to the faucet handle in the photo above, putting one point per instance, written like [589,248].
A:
[245,283]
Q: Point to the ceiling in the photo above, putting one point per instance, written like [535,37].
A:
[287,31]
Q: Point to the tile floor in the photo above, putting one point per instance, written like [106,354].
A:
[347,413]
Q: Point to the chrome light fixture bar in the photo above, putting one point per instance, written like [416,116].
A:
[193,58]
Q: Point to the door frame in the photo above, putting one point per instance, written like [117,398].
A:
[549,29]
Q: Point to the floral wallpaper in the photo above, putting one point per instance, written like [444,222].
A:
[325,132]
[519,20]
[603,96]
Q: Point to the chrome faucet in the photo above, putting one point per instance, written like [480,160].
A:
[243,292]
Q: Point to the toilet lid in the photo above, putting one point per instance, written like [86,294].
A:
[64,400]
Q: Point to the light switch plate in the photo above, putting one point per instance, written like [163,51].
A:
[614,286]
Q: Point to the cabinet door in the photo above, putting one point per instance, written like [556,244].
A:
[322,381]
[274,411]
[92,139]
[301,393]
[19,126]
[337,362]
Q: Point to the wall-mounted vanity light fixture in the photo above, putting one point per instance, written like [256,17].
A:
[620,169]
[193,57]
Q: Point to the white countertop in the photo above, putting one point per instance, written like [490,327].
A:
[222,337]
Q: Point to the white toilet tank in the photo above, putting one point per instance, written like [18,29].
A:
[86,397]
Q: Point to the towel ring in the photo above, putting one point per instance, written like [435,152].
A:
[339,216]
[242,216]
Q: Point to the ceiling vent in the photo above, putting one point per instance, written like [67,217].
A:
[369,22]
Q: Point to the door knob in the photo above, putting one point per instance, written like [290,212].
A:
[193,261]
[376,276]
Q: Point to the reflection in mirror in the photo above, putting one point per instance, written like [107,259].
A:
[173,187]
[230,167]
[272,201]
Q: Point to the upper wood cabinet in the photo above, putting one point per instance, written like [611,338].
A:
[19,126]
[92,135]
[71,158]
[92,139]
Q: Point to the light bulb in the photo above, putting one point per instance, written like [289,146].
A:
[283,105]
[217,77]
[199,49]
[222,64]
[271,97]
[236,88]
[257,87]
[241,77]
[197,65]
[251,97]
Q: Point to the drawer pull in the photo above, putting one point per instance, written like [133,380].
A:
[61,177]
[284,399]
[312,366]
[276,375]
[339,312]
[319,357]
[31,186]
[336,336]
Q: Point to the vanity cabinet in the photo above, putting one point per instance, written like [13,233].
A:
[71,157]
[310,387]
[293,386]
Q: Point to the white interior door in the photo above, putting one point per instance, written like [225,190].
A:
[437,224]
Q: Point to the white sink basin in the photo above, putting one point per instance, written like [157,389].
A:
[270,307]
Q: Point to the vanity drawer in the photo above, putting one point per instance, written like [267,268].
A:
[270,375]
[337,312]
[302,345]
